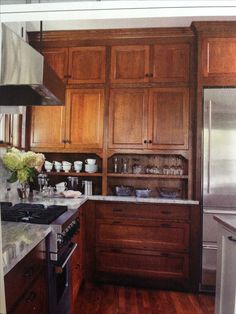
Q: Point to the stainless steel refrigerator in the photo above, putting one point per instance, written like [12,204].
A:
[218,171]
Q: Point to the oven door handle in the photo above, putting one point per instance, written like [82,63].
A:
[59,267]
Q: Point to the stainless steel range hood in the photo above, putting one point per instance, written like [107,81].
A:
[26,79]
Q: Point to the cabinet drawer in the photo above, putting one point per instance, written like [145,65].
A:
[137,234]
[23,274]
[149,211]
[142,264]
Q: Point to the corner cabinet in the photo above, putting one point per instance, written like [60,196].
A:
[157,118]
[78,125]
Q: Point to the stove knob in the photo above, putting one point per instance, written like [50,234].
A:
[60,239]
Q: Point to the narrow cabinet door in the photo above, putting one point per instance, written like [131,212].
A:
[84,123]
[47,126]
[171,63]
[87,65]
[57,58]
[129,64]
[168,118]
[127,118]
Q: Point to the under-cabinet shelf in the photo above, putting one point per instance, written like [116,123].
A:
[75,174]
[148,176]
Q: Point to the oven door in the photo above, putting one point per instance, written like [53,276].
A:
[60,282]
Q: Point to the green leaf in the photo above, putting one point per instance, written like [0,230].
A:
[13,177]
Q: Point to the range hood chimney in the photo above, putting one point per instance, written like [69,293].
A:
[25,78]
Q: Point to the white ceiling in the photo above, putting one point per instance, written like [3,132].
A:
[116,14]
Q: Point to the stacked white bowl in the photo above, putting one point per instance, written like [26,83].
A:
[90,165]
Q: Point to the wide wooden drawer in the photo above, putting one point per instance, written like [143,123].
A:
[149,211]
[142,264]
[132,233]
[19,279]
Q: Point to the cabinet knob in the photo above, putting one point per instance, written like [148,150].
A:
[150,142]
[145,141]
[63,141]
[146,74]
[151,75]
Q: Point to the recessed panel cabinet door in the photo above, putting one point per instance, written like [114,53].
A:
[168,118]
[219,57]
[47,126]
[129,64]
[57,58]
[87,65]
[127,118]
[84,123]
[171,63]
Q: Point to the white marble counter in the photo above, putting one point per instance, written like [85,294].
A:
[18,239]
[228,221]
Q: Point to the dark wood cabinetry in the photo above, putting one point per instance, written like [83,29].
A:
[25,284]
[168,62]
[152,242]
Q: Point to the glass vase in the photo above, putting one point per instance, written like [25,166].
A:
[23,190]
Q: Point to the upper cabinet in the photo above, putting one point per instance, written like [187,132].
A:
[155,63]
[78,65]
[219,57]
[157,118]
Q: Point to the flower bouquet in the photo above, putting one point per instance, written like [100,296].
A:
[24,166]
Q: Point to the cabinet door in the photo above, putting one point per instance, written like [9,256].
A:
[47,126]
[219,57]
[127,118]
[57,58]
[87,65]
[142,264]
[168,122]
[129,64]
[170,63]
[84,124]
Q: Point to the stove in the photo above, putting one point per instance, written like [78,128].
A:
[31,213]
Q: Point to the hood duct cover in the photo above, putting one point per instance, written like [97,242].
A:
[26,79]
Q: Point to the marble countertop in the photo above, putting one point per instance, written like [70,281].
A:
[228,221]
[18,239]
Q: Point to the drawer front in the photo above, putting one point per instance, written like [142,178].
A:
[149,211]
[136,234]
[23,274]
[144,265]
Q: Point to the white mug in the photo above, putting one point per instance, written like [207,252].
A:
[77,167]
[67,163]
[58,166]
[66,167]
[90,161]
[48,165]
[60,189]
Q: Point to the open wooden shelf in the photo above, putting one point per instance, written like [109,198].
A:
[147,176]
[75,174]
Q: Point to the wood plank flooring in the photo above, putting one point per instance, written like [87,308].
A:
[109,299]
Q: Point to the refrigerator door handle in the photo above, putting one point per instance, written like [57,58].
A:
[209,147]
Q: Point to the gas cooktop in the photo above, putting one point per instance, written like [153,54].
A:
[31,213]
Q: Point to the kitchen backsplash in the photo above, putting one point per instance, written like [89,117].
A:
[4,185]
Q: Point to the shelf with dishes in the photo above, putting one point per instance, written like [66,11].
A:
[147,176]
[74,174]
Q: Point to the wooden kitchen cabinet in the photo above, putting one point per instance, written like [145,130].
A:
[77,65]
[143,244]
[168,62]
[25,284]
[79,125]
[162,122]
[127,118]
[218,57]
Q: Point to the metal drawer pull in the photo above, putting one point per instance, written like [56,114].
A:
[59,268]
[31,297]
[117,210]
[165,212]
[165,225]
[231,239]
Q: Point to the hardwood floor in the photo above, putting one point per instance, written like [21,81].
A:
[109,299]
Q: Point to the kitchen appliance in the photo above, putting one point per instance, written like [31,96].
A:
[64,224]
[25,77]
[218,171]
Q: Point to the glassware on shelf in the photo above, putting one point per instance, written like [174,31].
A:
[125,162]
[115,164]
